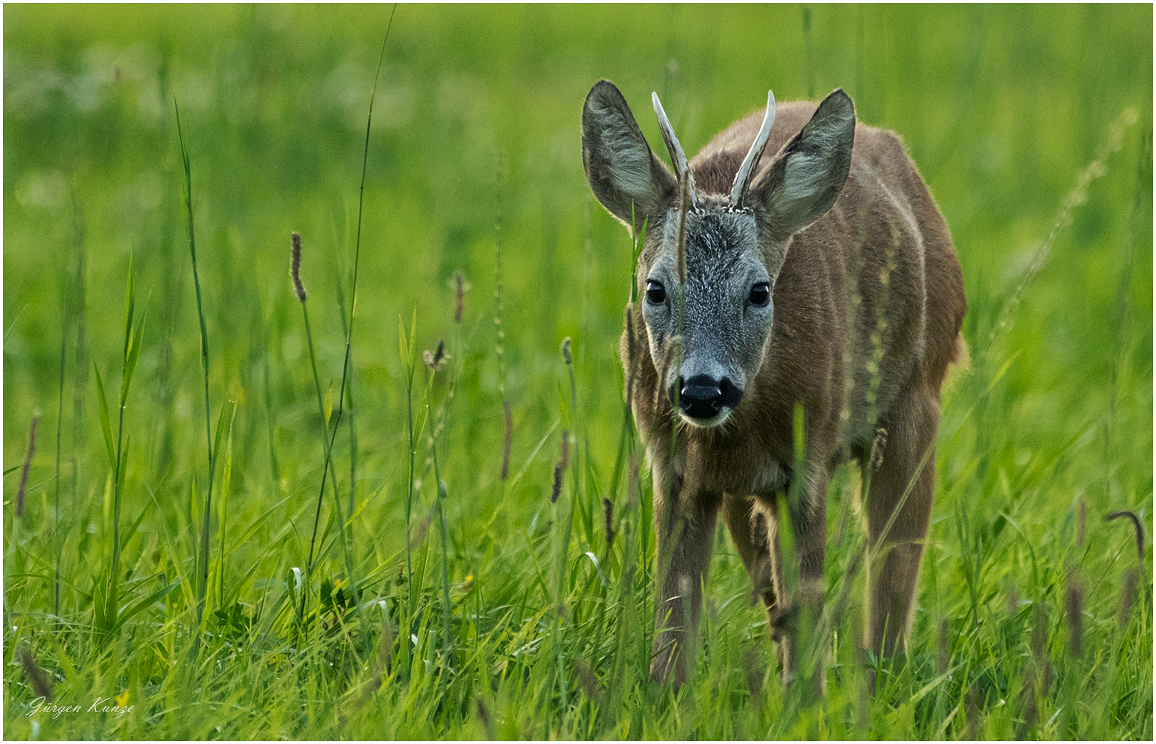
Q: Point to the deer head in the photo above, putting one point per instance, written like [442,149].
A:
[709,312]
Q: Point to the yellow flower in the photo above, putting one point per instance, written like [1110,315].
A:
[122,700]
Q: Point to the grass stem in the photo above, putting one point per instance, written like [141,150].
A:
[203,561]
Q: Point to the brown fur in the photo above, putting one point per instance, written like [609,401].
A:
[883,236]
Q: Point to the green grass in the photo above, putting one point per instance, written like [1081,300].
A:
[527,622]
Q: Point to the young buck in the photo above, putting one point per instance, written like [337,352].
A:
[824,281]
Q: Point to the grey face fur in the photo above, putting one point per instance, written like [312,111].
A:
[724,330]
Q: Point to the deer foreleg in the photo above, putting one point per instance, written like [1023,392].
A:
[807,509]
[685,539]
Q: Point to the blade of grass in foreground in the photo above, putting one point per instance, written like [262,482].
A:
[346,368]
[203,555]
[408,356]
[345,530]
[326,441]
[106,610]
[56,545]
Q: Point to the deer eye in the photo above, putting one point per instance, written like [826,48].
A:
[761,294]
[655,292]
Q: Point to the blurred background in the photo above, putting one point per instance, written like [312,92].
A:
[476,120]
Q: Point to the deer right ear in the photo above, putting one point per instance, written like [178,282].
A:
[809,172]
[619,164]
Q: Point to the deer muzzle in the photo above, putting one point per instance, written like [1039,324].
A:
[705,401]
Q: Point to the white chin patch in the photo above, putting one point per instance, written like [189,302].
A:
[713,421]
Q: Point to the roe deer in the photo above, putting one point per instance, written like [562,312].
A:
[826,279]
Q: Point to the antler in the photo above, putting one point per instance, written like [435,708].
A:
[751,162]
[681,167]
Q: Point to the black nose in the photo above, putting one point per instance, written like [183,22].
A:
[703,397]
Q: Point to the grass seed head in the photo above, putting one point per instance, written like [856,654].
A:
[944,646]
[1040,633]
[560,467]
[971,711]
[753,669]
[385,651]
[878,445]
[1075,609]
[1128,595]
[423,527]
[1013,599]
[680,235]
[295,266]
[27,466]
[673,352]
[631,342]
[632,483]
[608,514]
[484,717]
[1136,524]
[40,684]
[508,441]
[1031,709]
[459,296]
[435,359]
[587,679]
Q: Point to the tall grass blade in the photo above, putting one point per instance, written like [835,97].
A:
[106,609]
[105,422]
[274,463]
[499,330]
[129,310]
[408,352]
[326,441]
[56,544]
[346,368]
[203,560]
[226,478]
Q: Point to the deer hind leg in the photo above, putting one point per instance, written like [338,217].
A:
[755,530]
[902,482]
[750,530]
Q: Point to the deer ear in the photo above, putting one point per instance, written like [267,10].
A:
[808,174]
[619,164]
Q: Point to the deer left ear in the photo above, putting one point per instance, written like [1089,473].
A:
[809,172]
[623,172]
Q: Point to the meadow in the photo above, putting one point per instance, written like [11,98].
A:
[403,507]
